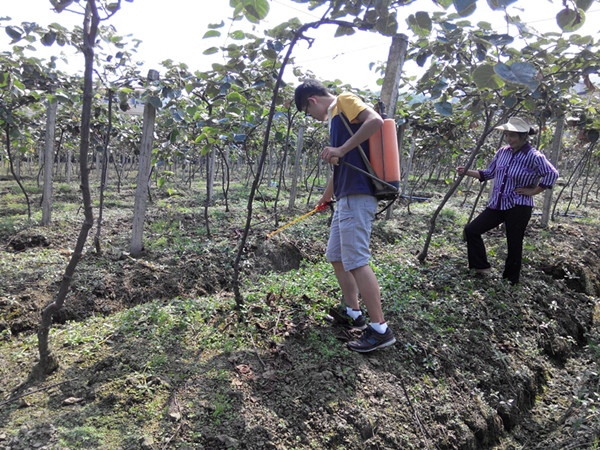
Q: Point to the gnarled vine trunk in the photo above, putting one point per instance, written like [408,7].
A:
[47,362]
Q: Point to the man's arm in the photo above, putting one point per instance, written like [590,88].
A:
[370,123]
[328,193]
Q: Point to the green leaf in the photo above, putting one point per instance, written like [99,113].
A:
[256,9]
[343,31]
[443,108]
[18,83]
[211,33]
[422,57]
[387,25]
[423,20]
[176,114]
[465,7]
[499,39]
[499,4]
[420,23]
[569,20]
[485,77]
[438,89]
[582,41]
[155,101]
[510,101]
[234,97]
[270,54]
[60,5]
[584,4]
[444,3]
[529,103]
[237,35]
[160,182]
[63,99]
[210,51]
[173,135]
[518,73]
[15,33]
[49,38]
[112,7]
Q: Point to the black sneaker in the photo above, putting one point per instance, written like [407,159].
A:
[341,318]
[372,340]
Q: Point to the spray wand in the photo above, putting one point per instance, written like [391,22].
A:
[317,208]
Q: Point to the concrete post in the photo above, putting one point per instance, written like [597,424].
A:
[141,192]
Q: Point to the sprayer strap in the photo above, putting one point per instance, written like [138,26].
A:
[371,172]
[360,148]
[366,161]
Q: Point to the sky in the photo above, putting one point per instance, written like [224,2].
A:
[174,30]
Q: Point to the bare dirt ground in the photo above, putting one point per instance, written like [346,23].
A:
[512,368]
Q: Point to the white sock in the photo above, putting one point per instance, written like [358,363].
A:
[379,327]
[354,313]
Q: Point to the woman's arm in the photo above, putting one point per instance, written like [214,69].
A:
[469,173]
[530,191]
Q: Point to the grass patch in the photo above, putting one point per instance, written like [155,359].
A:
[160,352]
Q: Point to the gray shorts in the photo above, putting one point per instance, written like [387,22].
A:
[351,231]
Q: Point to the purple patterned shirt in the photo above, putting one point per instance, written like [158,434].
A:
[527,167]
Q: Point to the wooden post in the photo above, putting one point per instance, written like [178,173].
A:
[393,71]
[69,167]
[145,159]
[409,163]
[554,157]
[391,81]
[49,163]
[210,176]
[297,167]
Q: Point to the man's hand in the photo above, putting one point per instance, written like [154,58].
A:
[332,154]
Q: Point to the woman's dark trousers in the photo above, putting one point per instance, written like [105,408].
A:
[515,221]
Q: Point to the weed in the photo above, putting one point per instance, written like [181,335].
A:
[325,345]
[81,437]
[134,363]
[222,409]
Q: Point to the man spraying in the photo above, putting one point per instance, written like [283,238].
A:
[348,249]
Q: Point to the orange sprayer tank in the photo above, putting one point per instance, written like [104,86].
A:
[384,153]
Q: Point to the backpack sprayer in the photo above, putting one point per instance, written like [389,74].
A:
[383,163]
[383,150]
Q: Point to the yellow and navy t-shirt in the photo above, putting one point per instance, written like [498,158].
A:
[346,180]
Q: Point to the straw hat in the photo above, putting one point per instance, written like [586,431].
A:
[515,124]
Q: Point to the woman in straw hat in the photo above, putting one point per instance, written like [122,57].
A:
[520,172]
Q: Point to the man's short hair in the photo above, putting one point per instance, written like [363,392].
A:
[309,88]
